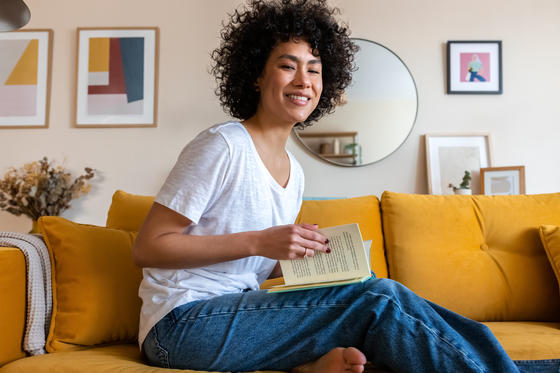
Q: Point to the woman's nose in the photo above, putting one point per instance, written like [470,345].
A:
[302,79]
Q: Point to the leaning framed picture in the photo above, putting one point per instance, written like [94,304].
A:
[502,180]
[25,78]
[474,67]
[117,77]
[448,156]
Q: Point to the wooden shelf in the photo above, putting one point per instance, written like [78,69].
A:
[327,155]
[335,135]
[327,134]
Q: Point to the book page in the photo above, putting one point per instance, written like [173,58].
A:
[347,259]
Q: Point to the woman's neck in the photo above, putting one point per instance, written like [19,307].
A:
[267,134]
[270,142]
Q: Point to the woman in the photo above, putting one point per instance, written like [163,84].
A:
[224,217]
[475,69]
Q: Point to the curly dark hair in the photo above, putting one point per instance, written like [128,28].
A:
[252,33]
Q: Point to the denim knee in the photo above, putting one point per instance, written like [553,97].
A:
[387,287]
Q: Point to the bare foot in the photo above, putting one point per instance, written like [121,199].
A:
[337,360]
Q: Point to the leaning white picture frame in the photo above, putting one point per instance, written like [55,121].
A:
[448,156]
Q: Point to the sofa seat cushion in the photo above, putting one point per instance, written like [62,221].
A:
[521,340]
[123,358]
[528,340]
[480,256]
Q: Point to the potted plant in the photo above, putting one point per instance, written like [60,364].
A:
[465,186]
[356,150]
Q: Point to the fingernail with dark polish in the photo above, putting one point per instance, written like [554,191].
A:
[327,241]
[328,250]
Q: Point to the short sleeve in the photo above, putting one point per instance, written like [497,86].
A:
[197,177]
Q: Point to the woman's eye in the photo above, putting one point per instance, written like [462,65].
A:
[287,67]
[314,71]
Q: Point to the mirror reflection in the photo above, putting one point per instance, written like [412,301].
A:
[377,116]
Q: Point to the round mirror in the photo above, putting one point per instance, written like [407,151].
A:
[377,116]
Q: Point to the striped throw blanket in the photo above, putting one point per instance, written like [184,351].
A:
[39,291]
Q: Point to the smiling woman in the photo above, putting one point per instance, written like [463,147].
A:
[224,217]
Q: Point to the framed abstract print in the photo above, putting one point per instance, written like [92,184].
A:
[25,78]
[117,77]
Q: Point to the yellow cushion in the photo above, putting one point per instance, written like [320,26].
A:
[361,210]
[128,211]
[480,256]
[550,238]
[528,340]
[12,304]
[107,359]
[95,284]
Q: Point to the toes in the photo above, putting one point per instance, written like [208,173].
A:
[354,369]
[353,356]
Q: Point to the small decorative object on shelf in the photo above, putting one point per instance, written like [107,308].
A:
[332,148]
[41,189]
[465,186]
[356,150]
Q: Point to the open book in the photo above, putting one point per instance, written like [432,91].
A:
[347,263]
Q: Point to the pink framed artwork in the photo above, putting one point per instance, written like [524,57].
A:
[474,67]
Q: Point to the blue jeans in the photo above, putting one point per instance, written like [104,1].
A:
[475,75]
[393,327]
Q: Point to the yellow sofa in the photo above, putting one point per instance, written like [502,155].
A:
[481,256]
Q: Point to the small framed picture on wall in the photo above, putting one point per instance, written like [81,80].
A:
[502,180]
[117,77]
[474,67]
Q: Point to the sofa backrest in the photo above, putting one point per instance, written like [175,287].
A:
[128,211]
[480,256]
[362,210]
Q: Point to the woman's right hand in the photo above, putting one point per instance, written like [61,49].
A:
[292,241]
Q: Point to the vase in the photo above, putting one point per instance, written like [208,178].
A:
[462,191]
[35,228]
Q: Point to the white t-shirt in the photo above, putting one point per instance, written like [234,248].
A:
[221,184]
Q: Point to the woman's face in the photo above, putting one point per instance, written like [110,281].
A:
[290,84]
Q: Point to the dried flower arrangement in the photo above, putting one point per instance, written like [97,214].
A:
[40,189]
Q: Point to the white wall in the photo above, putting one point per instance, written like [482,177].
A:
[523,121]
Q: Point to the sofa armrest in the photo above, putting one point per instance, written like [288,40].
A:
[12,304]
